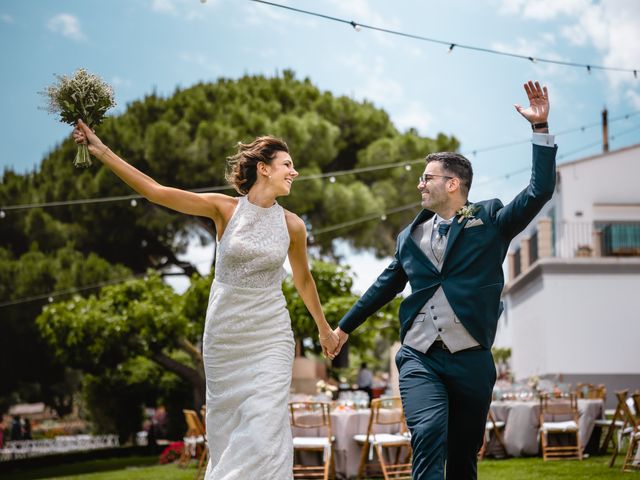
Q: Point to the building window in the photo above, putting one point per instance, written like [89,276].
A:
[620,238]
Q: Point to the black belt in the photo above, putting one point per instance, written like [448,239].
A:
[440,345]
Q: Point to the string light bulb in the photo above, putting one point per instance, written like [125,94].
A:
[332,179]
[407,167]
[383,217]
[589,69]
[133,202]
[451,47]
[2,214]
[355,26]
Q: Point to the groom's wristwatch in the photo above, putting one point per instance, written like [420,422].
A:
[537,126]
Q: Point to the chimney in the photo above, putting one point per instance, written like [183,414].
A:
[605,131]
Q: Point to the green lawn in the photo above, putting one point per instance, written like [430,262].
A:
[146,468]
[113,469]
[536,468]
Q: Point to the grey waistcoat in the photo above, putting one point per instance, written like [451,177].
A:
[436,319]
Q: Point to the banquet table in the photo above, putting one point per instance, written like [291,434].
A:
[344,425]
[522,420]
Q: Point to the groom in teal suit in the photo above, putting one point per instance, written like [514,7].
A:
[452,256]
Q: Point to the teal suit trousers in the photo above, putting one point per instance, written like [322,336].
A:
[446,398]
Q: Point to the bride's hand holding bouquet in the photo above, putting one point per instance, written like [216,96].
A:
[81,100]
[83,135]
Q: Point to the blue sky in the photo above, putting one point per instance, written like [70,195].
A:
[143,45]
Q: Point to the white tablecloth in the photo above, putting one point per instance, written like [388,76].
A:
[522,420]
[345,424]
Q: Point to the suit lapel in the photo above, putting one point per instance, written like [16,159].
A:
[456,228]
[422,217]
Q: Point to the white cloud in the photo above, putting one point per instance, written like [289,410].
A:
[543,9]
[66,25]
[634,98]
[199,59]
[610,26]
[376,85]
[120,82]
[360,11]
[186,9]
[537,48]
[257,14]
[6,18]
[163,6]
[414,117]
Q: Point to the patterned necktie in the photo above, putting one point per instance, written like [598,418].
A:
[440,242]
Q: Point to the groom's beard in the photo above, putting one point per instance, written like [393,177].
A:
[433,200]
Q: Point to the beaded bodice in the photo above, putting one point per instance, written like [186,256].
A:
[253,247]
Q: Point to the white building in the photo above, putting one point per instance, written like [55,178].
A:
[572,299]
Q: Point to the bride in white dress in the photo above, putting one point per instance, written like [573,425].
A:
[248,344]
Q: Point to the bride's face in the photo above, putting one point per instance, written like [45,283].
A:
[282,173]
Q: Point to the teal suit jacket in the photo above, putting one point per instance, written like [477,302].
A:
[471,274]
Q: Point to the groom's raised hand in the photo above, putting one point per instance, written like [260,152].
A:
[342,339]
[538,110]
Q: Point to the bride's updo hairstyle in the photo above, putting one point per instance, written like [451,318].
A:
[242,168]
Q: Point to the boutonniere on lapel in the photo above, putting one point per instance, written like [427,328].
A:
[468,211]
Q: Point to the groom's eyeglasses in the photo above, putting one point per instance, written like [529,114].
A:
[427,177]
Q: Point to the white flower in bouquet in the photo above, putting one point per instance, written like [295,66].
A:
[83,96]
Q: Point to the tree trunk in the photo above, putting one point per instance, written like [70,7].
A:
[193,376]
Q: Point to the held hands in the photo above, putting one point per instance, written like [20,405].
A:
[342,339]
[538,110]
[83,134]
[329,342]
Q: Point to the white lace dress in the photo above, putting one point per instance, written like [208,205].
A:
[248,350]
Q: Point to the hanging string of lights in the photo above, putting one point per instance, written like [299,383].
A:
[312,234]
[357,26]
[132,198]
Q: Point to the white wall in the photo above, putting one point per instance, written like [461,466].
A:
[607,179]
[576,324]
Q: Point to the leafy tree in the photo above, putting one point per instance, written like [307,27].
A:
[146,318]
[30,369]
[115,398]
[141,317]
[182,140]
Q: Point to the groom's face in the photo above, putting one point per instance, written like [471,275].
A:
[433,186]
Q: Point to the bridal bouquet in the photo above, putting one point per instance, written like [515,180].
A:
[82,96]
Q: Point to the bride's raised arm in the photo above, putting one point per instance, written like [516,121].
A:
[209,205]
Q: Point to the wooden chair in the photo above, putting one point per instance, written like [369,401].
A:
[613,425]
[204,456]
[636,403]
[195,443]
[559,417]
[590,391]
[632,459]
[313,415]
[386,413]
[582,389]
[630,427]
[497,428]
